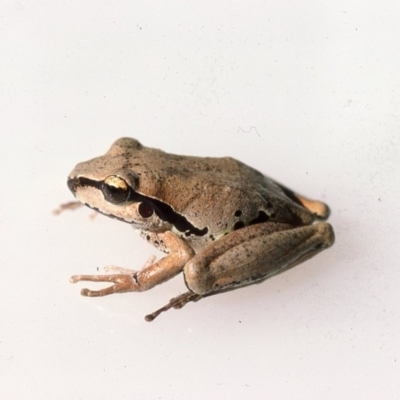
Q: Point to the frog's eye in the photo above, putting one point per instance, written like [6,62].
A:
[145,210]
[115,189]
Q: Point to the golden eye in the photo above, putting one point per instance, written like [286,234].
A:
[115,189]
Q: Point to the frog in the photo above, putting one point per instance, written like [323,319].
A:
[220,223]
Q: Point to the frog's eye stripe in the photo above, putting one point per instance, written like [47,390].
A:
[168,214]
[164,211]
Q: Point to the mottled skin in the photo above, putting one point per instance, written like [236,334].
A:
[221,222]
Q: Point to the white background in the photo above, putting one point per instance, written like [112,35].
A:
[307,92]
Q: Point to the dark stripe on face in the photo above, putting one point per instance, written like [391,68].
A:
[163,210]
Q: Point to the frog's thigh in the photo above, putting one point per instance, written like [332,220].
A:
[256,259]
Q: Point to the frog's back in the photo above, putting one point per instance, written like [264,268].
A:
[235,193]
[221,193]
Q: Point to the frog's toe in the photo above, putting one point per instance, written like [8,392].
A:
[122,283]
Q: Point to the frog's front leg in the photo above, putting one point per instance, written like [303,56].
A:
[151,275]
[254,253]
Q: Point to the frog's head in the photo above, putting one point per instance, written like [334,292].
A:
[127,184]
[111,184]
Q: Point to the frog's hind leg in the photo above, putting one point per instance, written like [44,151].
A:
[249,260]
[248,255]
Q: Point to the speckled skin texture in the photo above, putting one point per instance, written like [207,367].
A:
[196,187]
[221,222]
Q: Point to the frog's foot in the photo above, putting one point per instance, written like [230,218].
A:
[176,302]
[123,282]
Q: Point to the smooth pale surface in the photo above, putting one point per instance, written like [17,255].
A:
[307,92]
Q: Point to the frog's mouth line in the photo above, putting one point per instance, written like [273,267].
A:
[164,211]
